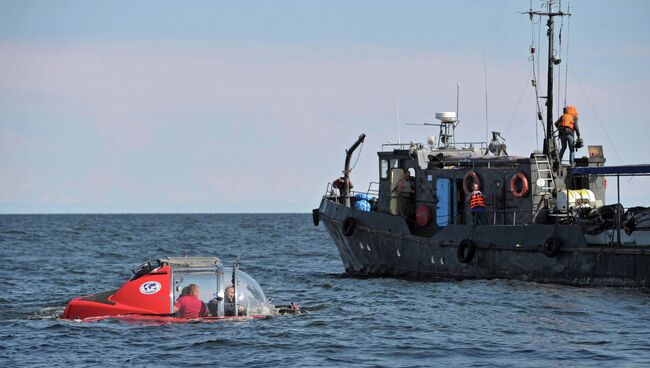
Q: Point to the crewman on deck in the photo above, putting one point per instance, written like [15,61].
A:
[405,190]
[339,185]
[567,125]
[477,206]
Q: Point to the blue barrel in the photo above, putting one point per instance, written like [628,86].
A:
[362,205]
[363,197]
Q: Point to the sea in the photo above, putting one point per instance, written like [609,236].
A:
[45,260]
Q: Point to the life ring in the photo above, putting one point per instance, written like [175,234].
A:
[348,226]
[466,250]
[470,174]
[552,247]
[423,215]
[524,185]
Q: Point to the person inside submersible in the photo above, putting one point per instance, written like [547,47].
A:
[229,304]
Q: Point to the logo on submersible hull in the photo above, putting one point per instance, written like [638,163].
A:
[150,287]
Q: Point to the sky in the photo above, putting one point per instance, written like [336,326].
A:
[248,106]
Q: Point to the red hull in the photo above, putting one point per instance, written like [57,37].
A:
[149,294]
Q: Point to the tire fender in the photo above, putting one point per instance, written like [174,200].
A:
[466,251]
[348,226]
[552,247]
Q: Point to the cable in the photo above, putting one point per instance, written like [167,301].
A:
[517,108]
[358,155]
[535,77]
[602,126]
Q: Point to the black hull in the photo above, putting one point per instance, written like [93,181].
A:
[381,245]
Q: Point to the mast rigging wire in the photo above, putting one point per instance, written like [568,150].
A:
[535,80]
[602,126]
[517,108]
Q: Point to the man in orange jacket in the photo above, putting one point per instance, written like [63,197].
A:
[567,124]
[477,206]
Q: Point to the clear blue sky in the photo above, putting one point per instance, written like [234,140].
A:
[248,106]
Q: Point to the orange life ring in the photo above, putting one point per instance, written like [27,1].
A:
[524,185]
[475,180]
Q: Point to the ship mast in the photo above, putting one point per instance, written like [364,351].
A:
[550,148]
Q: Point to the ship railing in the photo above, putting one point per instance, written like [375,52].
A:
[334,194]
[494,217]
[457,145]
[373,188]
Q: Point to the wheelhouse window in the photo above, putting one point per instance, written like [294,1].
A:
[411,171]
[383,169]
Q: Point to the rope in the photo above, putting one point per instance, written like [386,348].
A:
[358,155]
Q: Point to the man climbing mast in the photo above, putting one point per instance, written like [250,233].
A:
[567,124]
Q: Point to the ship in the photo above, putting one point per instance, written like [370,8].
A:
[544,221]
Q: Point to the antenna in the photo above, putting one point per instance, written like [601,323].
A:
[457,99]
[398,122]
[486,97]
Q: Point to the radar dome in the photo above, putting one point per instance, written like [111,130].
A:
[446,116]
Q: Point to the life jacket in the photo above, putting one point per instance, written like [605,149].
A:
[567,122]
[477,200]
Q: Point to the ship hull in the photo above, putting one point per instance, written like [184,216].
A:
[381,245]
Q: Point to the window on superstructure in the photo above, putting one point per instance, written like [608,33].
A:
[411,171]
[383,169]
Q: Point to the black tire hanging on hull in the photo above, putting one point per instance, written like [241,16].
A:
[315,216]
[348,226]
[552,247]
[466,250]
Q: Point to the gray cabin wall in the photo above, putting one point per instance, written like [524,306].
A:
[502,207]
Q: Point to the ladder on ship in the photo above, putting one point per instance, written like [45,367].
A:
[545,173]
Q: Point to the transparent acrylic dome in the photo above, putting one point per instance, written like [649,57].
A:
[249,293]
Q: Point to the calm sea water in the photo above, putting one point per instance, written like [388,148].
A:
[48,259]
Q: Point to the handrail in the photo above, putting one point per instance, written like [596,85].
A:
[407,146]
[374,192]
[370,190]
